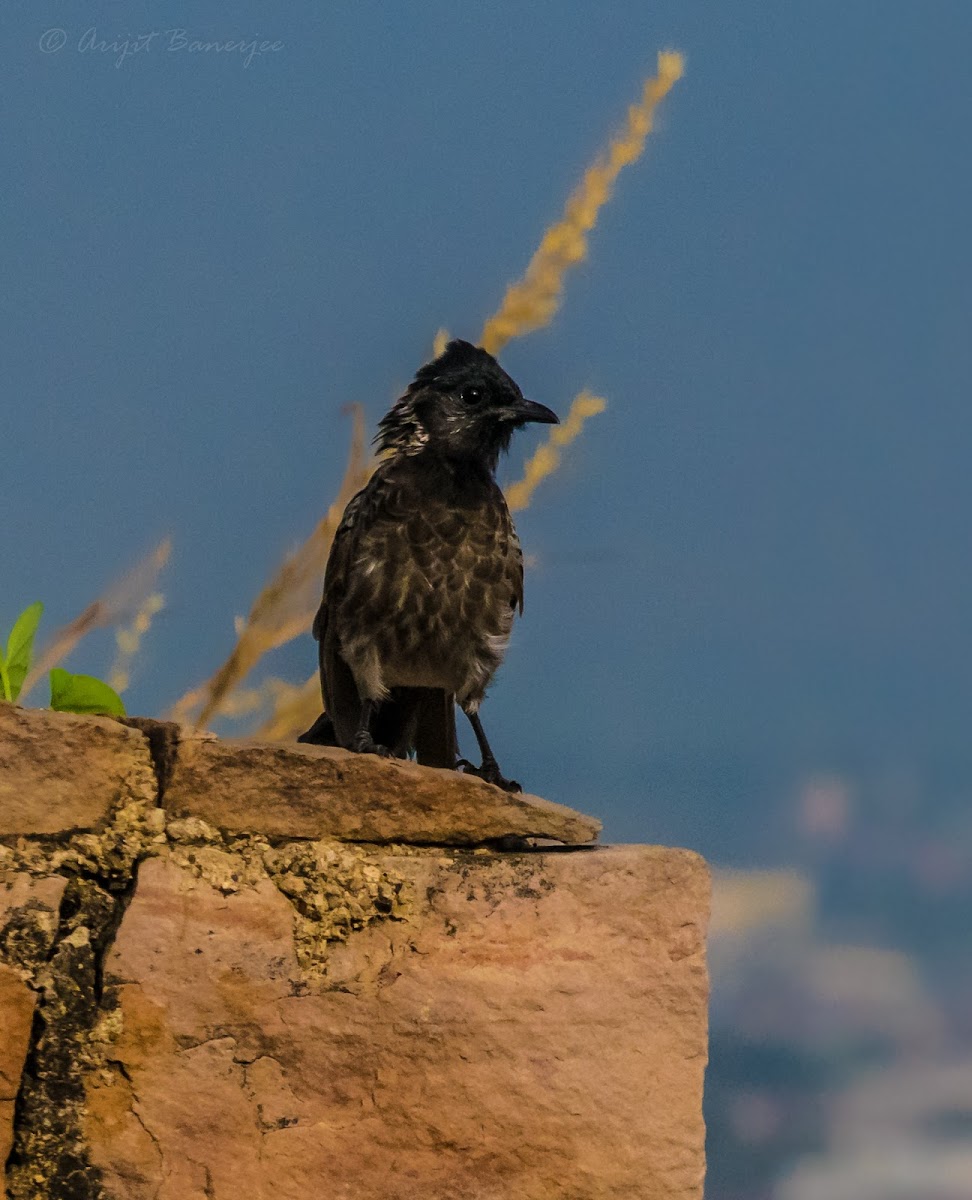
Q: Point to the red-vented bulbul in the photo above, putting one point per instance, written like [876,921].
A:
[425,572]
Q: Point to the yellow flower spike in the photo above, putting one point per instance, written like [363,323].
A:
[532,302]
[546,458]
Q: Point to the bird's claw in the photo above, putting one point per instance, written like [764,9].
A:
[489,772]
[364,743]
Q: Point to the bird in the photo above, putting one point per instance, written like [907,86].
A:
[425,573]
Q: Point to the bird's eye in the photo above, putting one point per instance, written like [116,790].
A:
[471,395]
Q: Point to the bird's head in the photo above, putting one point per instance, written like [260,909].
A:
[461,405]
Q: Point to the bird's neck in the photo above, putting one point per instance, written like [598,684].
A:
[451,473]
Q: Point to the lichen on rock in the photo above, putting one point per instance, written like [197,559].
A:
[335,889]
[27,935]
[134,829]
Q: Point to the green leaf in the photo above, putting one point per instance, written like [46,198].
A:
[83,694]
[20,648]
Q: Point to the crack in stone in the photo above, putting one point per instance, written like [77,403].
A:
[163,739]
[49,1159]
[208,1189]
[120,1067]
[152,1138]
[72,1023]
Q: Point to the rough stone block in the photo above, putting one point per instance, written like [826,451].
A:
[305,975]
[314,792]
[527,1025]
[60,772]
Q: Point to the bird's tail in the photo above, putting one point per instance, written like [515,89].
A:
[416,719]
[435,739]
[321,733]
[419,720]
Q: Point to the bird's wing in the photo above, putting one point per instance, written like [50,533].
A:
[341,700]
[358,515]
[336,565]
[514,555]
[516,572]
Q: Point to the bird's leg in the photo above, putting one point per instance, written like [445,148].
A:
[363,742]
[490,767]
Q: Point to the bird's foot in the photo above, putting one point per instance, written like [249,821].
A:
[490,772]
[364,743]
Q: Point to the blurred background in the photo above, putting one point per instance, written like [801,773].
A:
[746,625]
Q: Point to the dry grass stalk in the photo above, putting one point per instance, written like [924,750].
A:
[285,607]
[242,702]
[546,458]
[295,708]
[128,595]
[129,638]
[532,301]
[181,712]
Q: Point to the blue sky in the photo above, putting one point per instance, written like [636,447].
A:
[755,562]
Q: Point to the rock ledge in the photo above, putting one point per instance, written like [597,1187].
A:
[286,972]
[313,791]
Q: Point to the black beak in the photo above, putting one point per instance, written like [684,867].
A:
[526,411]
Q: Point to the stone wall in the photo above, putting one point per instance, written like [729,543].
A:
[233,971]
